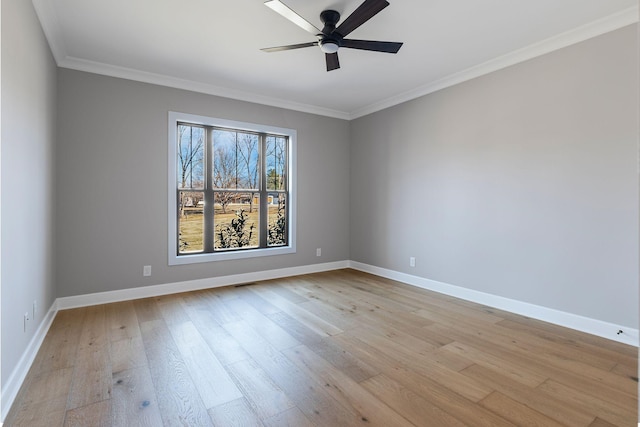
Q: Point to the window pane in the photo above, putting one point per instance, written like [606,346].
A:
[224,159]
[236,160]
[236,220]
[276,163]
[277,219]
[190,221]
[248,161]
[190,171]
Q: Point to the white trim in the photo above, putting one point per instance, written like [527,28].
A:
[16,378]
[194,86]
[557,317]
[1,391]
[51,27]
[601,26]
[53,32]
[192,285]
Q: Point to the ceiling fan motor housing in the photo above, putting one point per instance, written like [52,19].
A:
[332,37]
[329,18]
[329,39]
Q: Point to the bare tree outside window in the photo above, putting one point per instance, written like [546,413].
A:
[190,161]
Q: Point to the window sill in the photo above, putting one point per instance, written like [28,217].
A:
[228,256]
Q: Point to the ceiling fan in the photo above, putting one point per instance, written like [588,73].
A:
[331,38]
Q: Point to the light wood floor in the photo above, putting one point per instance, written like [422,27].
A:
[332,349]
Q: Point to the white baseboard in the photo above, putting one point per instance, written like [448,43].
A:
[573,321]
[192,285]
[16,378]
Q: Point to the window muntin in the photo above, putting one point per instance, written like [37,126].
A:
[234,195]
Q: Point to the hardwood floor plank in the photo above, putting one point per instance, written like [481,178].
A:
[521,341]
[450,359]
[626,371]
[412,406]
[545,364]
[95,415]
[599,422]
[209,376]
[58,350]
[146,310]
[178,398]
[236,413]
[325,348]
[620,349]
[578,341]
[134,401]
[217,306]
[226,349]
[519,414]
[410,323]
[309,319]
[171,309]
[328,296]
[263,395]
[44,402]
[283,290]
[424,365]
[127,353]
[515,371]
[344,389]
[314,402]
[92,368]
[440,395]
[337,317]
[290,418]
[616,413]
[400,338]
[558,409]
[259,303]
[122,321]
[270,331]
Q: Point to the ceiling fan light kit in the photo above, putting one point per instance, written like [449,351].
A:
[329,46]
[332,38]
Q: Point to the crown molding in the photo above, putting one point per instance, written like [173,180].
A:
[51,27]
[593,29]
[53,32]
[194,86]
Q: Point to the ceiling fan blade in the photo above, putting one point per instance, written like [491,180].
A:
[289,14]
[362,14]
[332,61]
[289,47]
[389,47]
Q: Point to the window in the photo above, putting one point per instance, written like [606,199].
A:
[231,189]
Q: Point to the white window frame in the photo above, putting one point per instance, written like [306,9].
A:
[174,258]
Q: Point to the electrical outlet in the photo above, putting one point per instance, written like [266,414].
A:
[146,270]
[26,319]
[319,252]
[412,261]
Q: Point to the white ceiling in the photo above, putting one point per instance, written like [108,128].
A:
[213,46]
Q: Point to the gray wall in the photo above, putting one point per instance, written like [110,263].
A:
[111,163]
[28,136]
[522,183]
